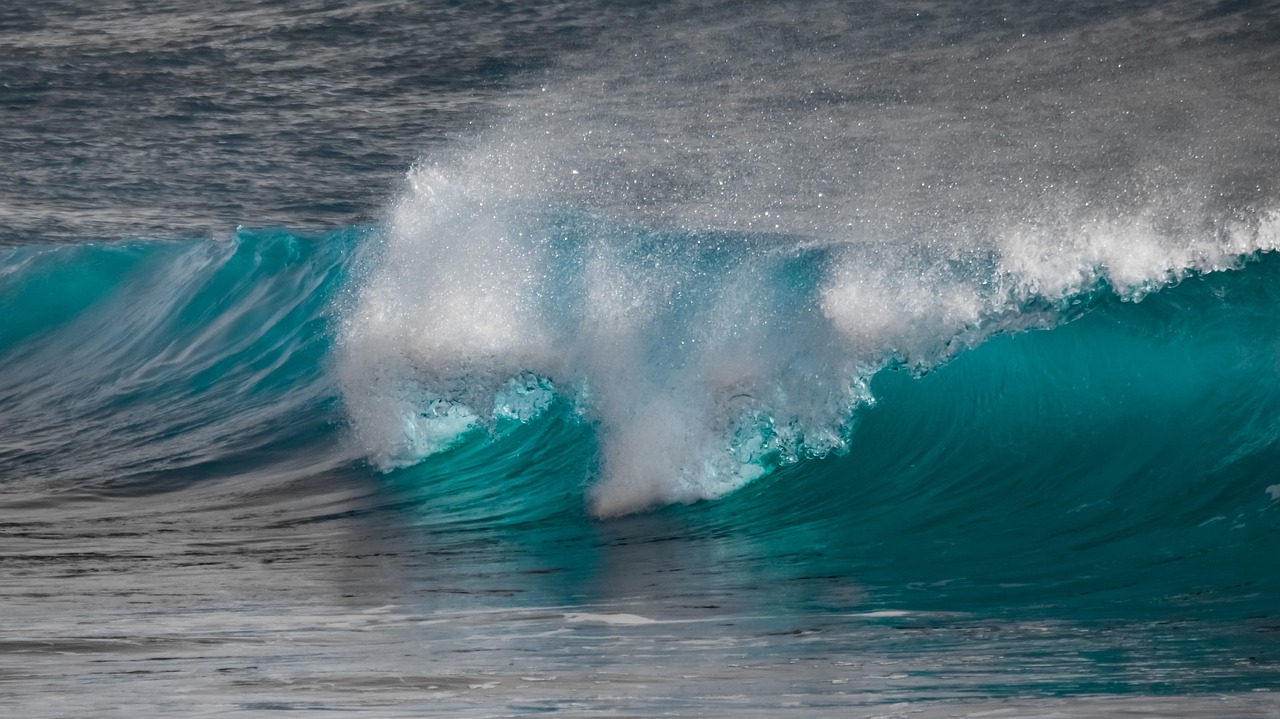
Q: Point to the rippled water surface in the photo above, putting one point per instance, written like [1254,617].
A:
[667,359]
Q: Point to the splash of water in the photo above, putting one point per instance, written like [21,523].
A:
[710,253]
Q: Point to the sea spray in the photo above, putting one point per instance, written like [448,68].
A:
[702,359]
[710,251]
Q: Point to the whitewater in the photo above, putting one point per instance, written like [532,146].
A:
[813,359]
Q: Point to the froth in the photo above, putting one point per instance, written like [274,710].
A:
[703,360]
[710,254]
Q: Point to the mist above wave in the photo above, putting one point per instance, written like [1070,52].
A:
[711,234]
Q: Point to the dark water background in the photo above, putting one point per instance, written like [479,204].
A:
[157,119]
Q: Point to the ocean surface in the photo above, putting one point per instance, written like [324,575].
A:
[765,359]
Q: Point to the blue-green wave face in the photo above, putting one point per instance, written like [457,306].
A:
[1127,457]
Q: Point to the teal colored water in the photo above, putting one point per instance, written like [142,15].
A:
[1120,463]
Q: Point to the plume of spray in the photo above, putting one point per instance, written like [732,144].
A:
[710,253]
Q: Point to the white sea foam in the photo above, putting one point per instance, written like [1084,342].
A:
[704,361]
[608,618]
[567,250]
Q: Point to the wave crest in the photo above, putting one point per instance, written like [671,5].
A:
[704,359]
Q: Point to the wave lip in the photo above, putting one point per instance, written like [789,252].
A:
[703,359]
